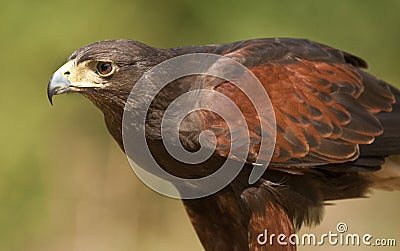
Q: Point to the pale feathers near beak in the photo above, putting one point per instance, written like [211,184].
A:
[69,78]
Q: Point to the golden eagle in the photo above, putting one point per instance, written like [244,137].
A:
[336,125]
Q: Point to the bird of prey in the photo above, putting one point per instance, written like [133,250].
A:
[337,130]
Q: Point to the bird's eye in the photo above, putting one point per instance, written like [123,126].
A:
[105,68]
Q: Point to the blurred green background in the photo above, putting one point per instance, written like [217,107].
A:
[65,185]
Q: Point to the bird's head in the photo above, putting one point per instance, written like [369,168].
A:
[105,71]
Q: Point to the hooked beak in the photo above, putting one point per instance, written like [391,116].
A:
[73,78]
[59,82]
[57,85]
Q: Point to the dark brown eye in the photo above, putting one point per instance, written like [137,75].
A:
[104,68]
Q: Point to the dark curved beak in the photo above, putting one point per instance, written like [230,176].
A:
[58,84]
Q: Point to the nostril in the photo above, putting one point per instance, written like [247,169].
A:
[67,73]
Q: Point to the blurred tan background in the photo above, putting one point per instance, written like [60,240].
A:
[65,185]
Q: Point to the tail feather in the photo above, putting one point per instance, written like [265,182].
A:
[388,178]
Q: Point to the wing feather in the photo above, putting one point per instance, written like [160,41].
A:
[325,105]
